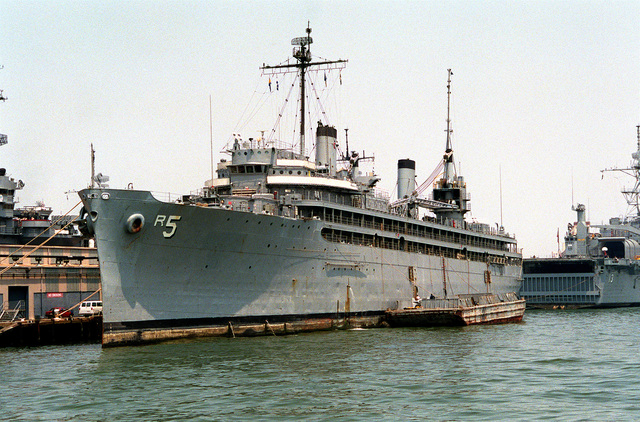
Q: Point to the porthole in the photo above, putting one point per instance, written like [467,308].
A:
[290,172]
[299,172]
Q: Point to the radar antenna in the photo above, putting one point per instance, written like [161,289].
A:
[302,53]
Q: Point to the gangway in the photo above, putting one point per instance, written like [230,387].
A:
[10,315]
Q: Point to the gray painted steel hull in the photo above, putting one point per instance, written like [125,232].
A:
[615,282]
[596,269]
[221,265]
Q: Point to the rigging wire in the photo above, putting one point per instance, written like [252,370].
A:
[322,111]
[434,174]
[259,104]
[241,118]
[284,105]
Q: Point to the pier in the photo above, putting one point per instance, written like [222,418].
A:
[50,331]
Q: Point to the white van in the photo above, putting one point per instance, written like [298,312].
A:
[90,308]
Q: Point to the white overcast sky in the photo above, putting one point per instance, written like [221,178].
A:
[547,93]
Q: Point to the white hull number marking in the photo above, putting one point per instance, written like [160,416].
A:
[170,224]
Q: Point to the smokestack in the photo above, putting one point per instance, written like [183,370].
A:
[326,137]
[406,177]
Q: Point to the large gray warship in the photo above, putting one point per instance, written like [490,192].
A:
[280,241]
[600,266]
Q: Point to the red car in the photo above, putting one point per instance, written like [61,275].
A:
[58,312]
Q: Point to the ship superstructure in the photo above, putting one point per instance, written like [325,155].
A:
[279,237]
[31,224]
[600,265]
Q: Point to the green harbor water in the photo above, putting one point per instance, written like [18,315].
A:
[568,365]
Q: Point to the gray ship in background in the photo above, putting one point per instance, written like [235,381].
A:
[283,242]
[45,261]
[600,266]
[31,224]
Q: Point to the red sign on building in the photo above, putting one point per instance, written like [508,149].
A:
[49,295]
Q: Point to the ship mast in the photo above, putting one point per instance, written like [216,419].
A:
[302,53]
[449,166]
[93,167]
[451,190]
[3,137]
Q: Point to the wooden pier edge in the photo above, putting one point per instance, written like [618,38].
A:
[46,331]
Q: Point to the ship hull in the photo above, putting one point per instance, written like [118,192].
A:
[195,270]
[581,282]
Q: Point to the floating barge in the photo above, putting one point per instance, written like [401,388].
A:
[462,310]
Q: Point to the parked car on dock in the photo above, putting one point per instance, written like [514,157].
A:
[90,308]
[58,312]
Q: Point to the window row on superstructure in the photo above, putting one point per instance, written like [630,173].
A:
[401,244]
[408,227]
